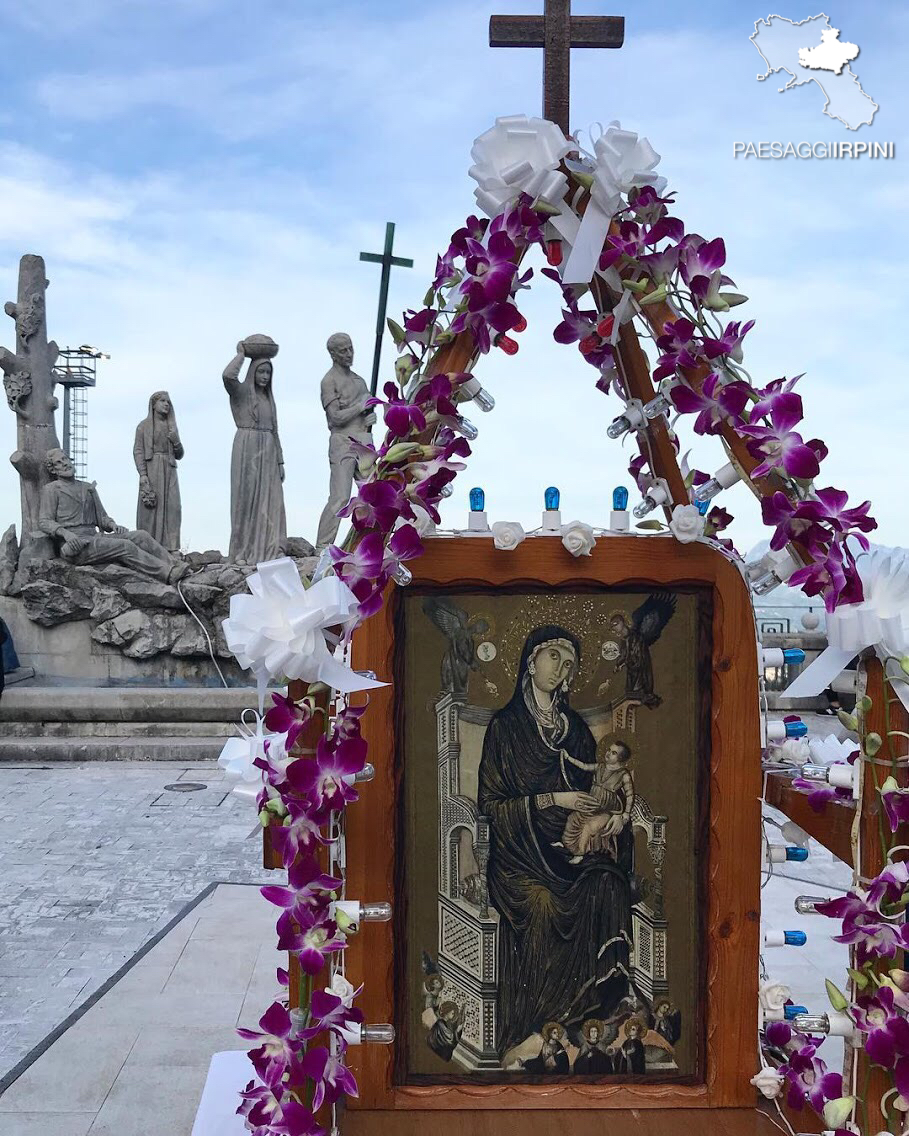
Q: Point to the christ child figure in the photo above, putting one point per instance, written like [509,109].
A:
[613,789]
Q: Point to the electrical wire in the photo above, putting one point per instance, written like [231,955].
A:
[211,649]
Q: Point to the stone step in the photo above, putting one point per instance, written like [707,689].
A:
[30,703]
[103,729]
[36,750]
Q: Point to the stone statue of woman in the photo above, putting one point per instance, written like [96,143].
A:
[258,528]
[156,452]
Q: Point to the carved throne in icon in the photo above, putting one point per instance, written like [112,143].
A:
[468,927]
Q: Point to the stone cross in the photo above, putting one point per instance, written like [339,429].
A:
[386,259]
[557,32]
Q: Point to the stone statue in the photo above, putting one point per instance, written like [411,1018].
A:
[156,452]
[258,529]
[71,514]
[28,381]
[344,394]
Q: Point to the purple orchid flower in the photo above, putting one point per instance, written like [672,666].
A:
[699,260]
[716,403]
[378,505]
[778,1034]
[647,205]
[779,446]
[404,544]
[309,890]
[819,794]
[809,1079]
[473,229]
[865,928]
[363,564]
[895,800]
[833,575]
[637,469]
[325,779]
[717,519]
[889,885]
[278,1051]
[681,348]
[271,1111]
[401,416]
[418,326]
[779,511]
[285,716]
[887,1030]
[828,507]
[729,343]
[492,266]
[661,265]
[311,941]
[332,1078]
[522,223]
[331,1012]
[300,833]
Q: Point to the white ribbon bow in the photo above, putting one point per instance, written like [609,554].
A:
[518,155]
[881,620]
[280,628]
[622,162]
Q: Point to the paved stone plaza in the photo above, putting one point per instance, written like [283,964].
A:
[95,859]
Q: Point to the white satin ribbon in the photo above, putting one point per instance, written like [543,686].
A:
[881,621]
[279,630]
[622,162]
[518,155]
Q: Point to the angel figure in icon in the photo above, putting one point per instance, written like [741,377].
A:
[461,656]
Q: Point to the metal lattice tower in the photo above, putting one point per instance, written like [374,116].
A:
[76,371]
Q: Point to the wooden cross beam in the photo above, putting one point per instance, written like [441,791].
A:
[557,32]
[386,259]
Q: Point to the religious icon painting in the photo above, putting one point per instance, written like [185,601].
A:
[551,756]
[553,885]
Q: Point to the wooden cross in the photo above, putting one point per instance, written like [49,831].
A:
[557,32]
[386,260]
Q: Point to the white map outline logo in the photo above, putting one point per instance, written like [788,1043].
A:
[783,48]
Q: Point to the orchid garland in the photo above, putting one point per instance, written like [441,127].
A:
[872,920]
[471,306]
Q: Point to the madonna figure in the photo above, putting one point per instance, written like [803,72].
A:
[565,921]
[258,529]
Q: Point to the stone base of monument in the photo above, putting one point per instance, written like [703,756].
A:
[55,723]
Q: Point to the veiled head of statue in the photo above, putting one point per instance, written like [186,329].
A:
[551,657]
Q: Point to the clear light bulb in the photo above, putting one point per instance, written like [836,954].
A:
[807,904]
[471,389]
[656,407]
[446,490]
[618,427]
[723,479]
[402,575]
[833,1024]
[377,1033]
[644,507]
[467,428]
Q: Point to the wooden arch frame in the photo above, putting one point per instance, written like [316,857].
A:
[733,893]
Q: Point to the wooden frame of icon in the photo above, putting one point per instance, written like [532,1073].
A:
[565,817]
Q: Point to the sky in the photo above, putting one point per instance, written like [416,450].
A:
[195,171]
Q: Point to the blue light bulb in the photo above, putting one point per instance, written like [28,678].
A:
[793,852]
[551,498]
[793,655]
[796,729]
[620,499]
[703,506]
[791,1012]
[795,938]
[477,500]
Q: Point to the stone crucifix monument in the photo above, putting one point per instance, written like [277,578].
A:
[344,395]
[28,380]
[258,528]
[156,452]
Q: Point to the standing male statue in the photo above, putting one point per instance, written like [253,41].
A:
[344,395]
[71,514]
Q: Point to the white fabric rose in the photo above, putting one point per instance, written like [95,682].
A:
[773,995]
[687,524]
[578,538]
[793,751]
[507,534]
[342,989]
[768,1082]
[518,155]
